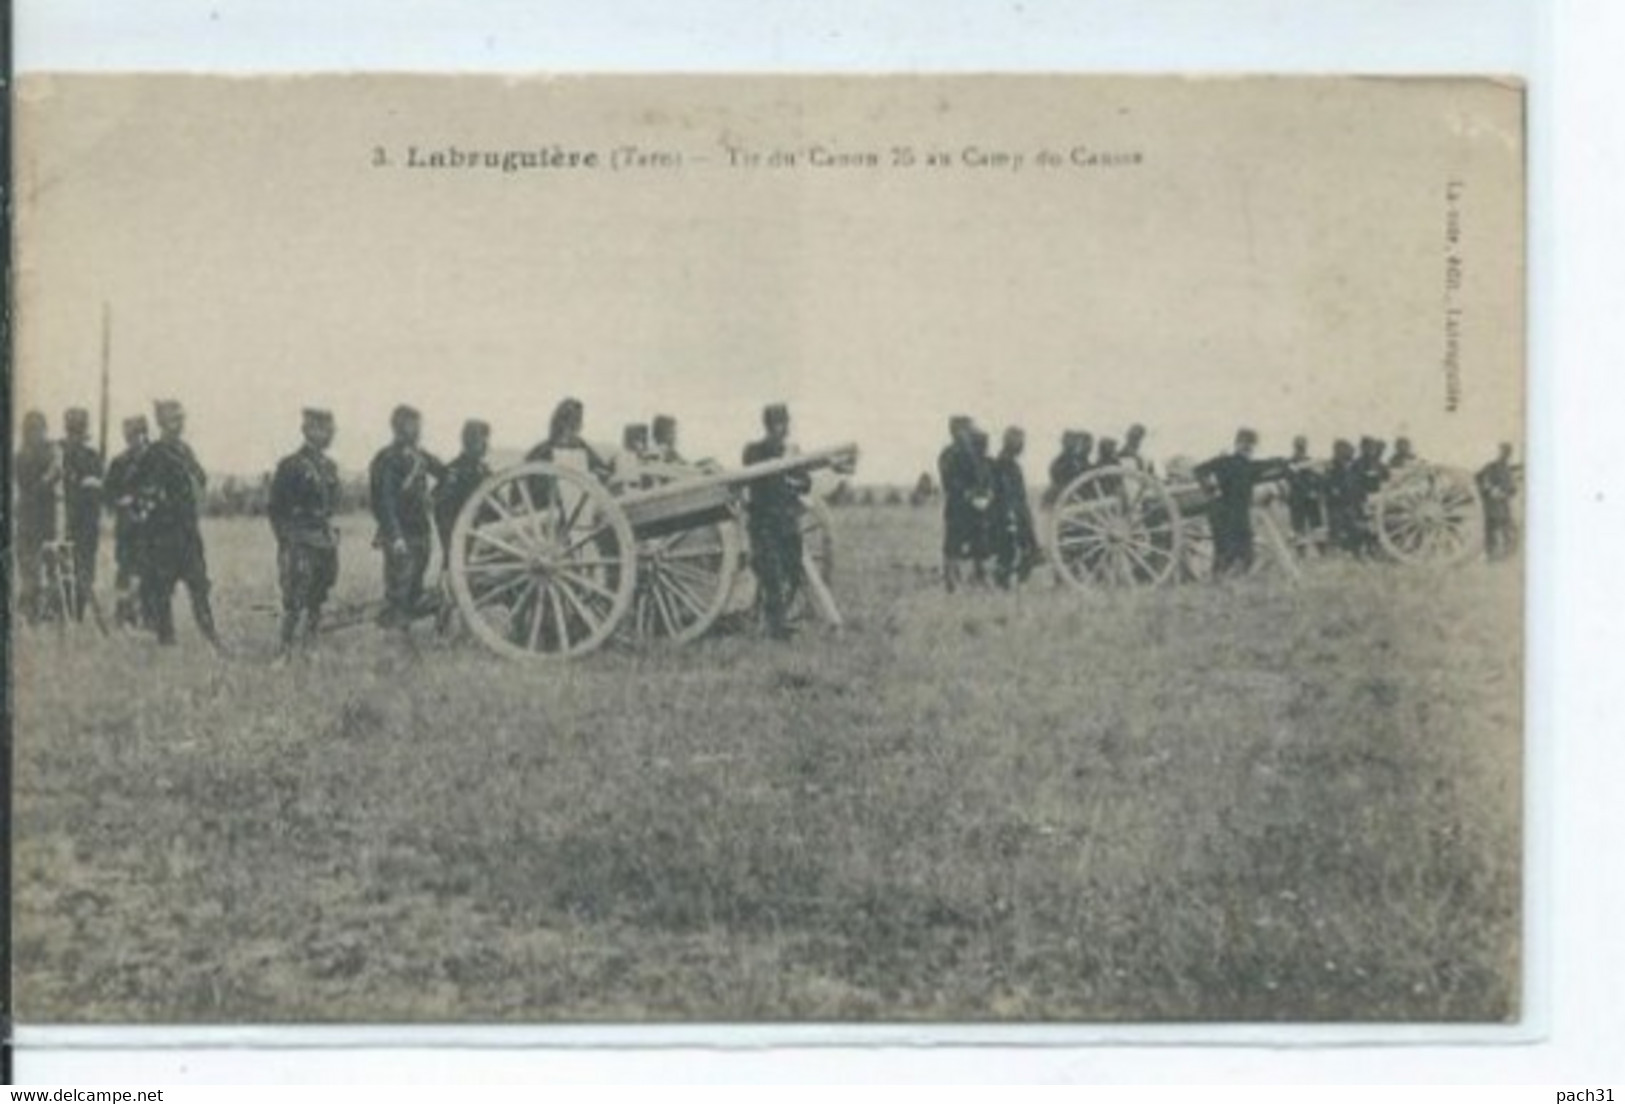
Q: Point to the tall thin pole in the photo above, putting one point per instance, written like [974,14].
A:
[107,360]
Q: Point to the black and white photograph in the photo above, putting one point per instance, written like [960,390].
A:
[629,549]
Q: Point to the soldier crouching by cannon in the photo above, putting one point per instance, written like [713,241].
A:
[304,496]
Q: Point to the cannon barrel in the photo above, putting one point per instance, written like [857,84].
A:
[672,507]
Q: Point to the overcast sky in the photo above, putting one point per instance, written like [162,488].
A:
[1276,259]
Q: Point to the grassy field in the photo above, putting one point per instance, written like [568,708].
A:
[1258,801]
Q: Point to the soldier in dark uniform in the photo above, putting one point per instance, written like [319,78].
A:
[398,481]
[981,546]
[1015,542]
[169,484]
[37,472]
[1071,462]
[1498,486]
[1130,456]
[1404,456]
[773,511]
[635,441]
[304,496]
[665,439]
[564,440]
[1231,478]
[1344,521]
[119,494]
[1305,492]
[462,478]
[1371,475]
[82,487]
[956,473]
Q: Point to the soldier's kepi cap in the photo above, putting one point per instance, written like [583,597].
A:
[403,414]
[77,417]
[775,414]
[476,430]
[135,423]
[664,424]
[167,409]
[316,417]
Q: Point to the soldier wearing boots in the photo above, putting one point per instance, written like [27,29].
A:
[37,474]
[1015,541]
[304,496]
[82,503]
[119,495]
[399,479]
[169,485]
[774,521]
[462,478]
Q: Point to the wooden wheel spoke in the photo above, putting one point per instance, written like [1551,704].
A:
[590,615]
[496,542]
[669,585]
[537,613]
[495,567]
[486,598]
[578,545]
[576,578]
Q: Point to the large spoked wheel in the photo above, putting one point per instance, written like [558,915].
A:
[1429,515]
[1116,527]
[543,563]
[684,579]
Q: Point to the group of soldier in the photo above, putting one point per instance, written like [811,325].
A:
[155,491]
[987,518]
[415,500]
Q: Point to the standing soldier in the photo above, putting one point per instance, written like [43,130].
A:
[398,480]
[564,443]
[1344,503]
[82,504]
[119,493]
[1498,486]
[462,478]
[1231,477]
[1404,455]
[981,500]
[1370,474]
[1304,496]
[956,473]
[635,441]
[169,485]
[665,439]
[1072,462]
[37,473]
[1015,544]
[773,511]
[304,496]
[1129,456]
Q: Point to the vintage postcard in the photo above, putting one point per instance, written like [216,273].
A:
[677,549]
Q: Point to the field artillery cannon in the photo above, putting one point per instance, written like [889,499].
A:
[546,561]
[1428,514]
[1120,526]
